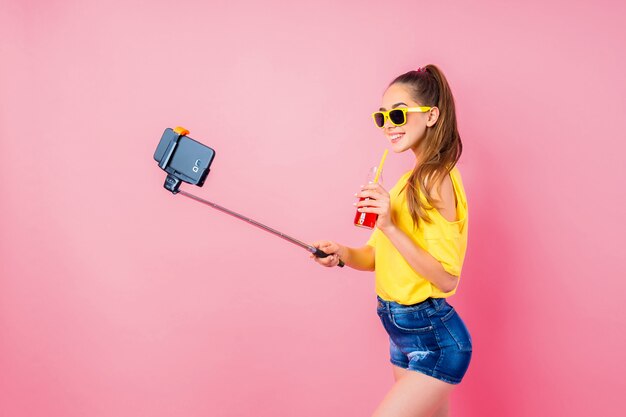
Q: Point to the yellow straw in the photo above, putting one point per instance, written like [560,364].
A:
[380,166]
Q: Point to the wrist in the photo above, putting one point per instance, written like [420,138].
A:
[389,230]
[342,252]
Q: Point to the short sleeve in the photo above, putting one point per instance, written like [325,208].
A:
[447,248]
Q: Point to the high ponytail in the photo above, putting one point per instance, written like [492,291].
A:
[443,146]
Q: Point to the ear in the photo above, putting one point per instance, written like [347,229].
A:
[433,116]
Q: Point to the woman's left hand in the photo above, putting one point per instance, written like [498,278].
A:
[378,203]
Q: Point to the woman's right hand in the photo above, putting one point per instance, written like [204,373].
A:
[331,248]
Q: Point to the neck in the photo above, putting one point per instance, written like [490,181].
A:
[419,152]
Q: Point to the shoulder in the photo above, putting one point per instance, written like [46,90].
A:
[443,192]
[400,185]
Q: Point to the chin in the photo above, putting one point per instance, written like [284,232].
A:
[398,147]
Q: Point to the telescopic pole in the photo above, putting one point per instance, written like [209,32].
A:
[315,251]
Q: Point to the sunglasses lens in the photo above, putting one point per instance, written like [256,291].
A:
[379,118]
[396,117]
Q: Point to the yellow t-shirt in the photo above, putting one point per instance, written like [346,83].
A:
[446,241]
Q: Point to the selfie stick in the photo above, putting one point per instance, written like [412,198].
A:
[186,160]
[315,251]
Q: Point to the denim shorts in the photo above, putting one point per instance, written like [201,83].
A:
[427,337]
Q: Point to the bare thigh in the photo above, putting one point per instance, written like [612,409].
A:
[415,395]
[398,372]
[444,410]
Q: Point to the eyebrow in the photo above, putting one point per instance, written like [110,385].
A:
[394,106]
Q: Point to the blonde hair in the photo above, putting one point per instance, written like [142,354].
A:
[442,147]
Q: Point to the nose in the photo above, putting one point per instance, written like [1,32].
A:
[388,123]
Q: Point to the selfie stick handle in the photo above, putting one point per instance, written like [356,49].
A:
[315,251]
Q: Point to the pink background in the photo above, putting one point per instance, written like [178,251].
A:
[120,299]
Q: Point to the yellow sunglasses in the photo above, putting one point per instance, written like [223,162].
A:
[396,116]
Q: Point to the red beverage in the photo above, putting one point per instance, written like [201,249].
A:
[367,220]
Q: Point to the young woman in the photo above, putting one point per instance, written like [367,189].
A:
[418,246]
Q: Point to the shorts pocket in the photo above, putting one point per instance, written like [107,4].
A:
[411,322]
[457,329]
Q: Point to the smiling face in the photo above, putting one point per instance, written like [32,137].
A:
[412,134]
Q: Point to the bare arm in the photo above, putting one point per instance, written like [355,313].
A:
[358,258]
[420,260]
